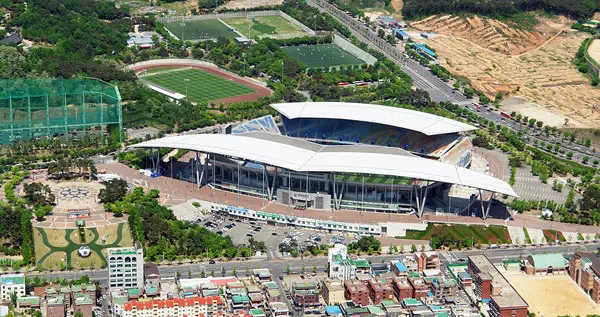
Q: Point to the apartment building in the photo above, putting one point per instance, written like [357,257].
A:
[125,267]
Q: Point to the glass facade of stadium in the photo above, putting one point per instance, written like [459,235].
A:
[33,108]
[323,191]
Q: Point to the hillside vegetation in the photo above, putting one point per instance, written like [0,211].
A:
[572,8]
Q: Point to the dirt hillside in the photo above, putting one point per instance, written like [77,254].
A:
[545,77]
[493,34]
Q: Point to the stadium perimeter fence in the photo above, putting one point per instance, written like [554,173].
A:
[245,14]
[32,108]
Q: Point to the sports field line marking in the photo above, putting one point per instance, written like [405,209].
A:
[167,71]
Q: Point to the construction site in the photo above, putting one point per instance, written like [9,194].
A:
[534,65]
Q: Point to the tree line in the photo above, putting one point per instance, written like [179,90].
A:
[413,9]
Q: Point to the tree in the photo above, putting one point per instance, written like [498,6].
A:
[202,273]
[585,159]
[223,271]
[539,124]
[570,155]
[37,313]
[381,33]
[78,314]
[13,298]
[114,190]
[288,269]
[38,194]
[413,248]
[234,272]
[41,212]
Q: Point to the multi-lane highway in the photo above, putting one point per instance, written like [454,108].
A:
[278,266]
[423,78]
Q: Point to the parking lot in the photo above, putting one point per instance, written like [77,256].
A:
[240,230]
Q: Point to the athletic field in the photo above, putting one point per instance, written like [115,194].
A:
[199,30]
[322,55]
[268,25]
[201,86]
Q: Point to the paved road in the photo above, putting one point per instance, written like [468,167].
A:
[424,79]
[279,266]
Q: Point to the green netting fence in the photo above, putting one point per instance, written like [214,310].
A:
[33,108]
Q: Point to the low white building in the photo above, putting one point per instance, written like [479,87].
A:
[12,283]
[340,265]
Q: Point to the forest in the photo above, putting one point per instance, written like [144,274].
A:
[577,9]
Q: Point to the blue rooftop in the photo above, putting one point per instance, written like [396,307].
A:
[333,310]
[429,294]
[400,266]
[399,31]
[464,275]
[388,19]
[425,50]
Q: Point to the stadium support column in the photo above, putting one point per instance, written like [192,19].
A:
[485,210]
[421,197]
[198,170]
[337,195]
[270,185]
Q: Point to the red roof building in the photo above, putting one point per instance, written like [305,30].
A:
[179,307]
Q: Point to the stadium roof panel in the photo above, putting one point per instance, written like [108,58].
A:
[304,156]
[425,123]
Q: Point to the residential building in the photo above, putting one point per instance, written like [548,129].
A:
[419,287]
[379,291]
[262,275]
[28,302]
[151,275]
[443,288]
[356,292]
[379,269]
[55,307]
[505,300]
[125,267]
[305,294]
[83,303]
[334,311]
[402,288]
[279,309]
[546,264]
[179,307]
[11,283]
[584,269]
[399,268]
[332,292]
[427,261]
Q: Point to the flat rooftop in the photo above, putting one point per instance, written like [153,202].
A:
[510,297]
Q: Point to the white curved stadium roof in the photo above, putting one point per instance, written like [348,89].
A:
[425,123]
[304,156]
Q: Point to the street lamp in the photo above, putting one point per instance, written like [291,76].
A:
[185,81]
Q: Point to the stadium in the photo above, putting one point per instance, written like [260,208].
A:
[322,157]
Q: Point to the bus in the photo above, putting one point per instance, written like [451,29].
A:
[505,114]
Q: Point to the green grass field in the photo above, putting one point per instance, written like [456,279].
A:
[263,25]
[202,86]
[322,55]
[468,234]
[199,30]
